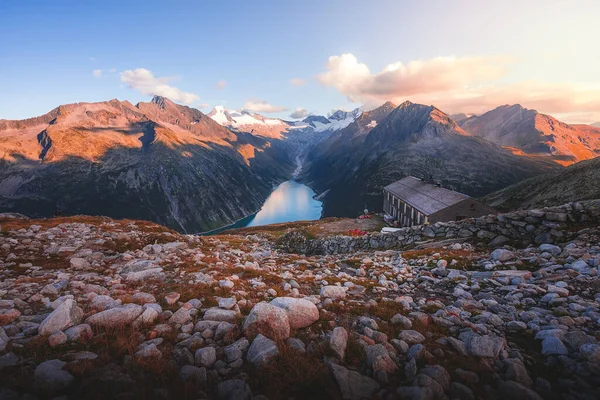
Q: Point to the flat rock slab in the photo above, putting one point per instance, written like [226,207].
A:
[115,317]
[64,316]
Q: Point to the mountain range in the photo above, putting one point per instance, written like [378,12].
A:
[193,172]
[157,161]
[350,167]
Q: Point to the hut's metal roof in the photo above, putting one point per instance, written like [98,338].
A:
[423,196]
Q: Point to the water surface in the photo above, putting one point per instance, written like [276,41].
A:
[290,201]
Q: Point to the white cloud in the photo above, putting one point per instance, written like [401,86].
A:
[297,82]
[459,84]
[97,73]
[356,81]
[262,106]
[299,113]
[222,84]
[145,82]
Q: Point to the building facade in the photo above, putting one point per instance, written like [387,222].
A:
[412,201]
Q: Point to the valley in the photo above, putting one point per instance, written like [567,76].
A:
[193,172]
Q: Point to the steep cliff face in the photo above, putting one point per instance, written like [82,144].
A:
[157,161]
[412,139]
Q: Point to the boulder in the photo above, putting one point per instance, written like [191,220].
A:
[483,346]
[554,346]
[268,320]
[79,333]
[205,357]
[219,314]
[79,263]
[301,312]
[333,292]
[8,315]
[261,351]
[352,384]
[234,389]
[116,317]
[49,378]
[411,337]
[64,316]
[338,341]
[152,273]
[502,255]
[438,374]
[181,316]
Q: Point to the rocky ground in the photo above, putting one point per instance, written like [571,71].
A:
[100,308]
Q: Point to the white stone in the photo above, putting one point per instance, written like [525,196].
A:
[268,320]
[301,312]
[333,292]
[64,316]
[115,317]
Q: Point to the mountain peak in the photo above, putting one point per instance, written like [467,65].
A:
[407,103]
[161,101]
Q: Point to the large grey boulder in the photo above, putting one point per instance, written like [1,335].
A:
[219,314]
[49,378]
[268,320]
[301,312]
[352,384]
[64,316]
[234,389]
[411,337]
[438,374]
[333,292]
[261,351]
[205,357]
[482,346]
[116,317]
[554,346]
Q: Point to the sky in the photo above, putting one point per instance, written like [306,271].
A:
[290,58]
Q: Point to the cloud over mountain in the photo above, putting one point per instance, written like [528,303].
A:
[261,106]
[299,113]
[459,84]
[145,82]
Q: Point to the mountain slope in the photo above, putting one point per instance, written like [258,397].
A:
[157,161]
[535,133]
[411,139]
[574,183]
[245,121]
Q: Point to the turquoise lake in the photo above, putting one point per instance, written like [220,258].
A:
[290,201]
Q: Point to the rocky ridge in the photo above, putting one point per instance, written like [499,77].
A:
[534,133]
[96,308]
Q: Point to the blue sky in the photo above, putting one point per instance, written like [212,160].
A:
[461,56]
